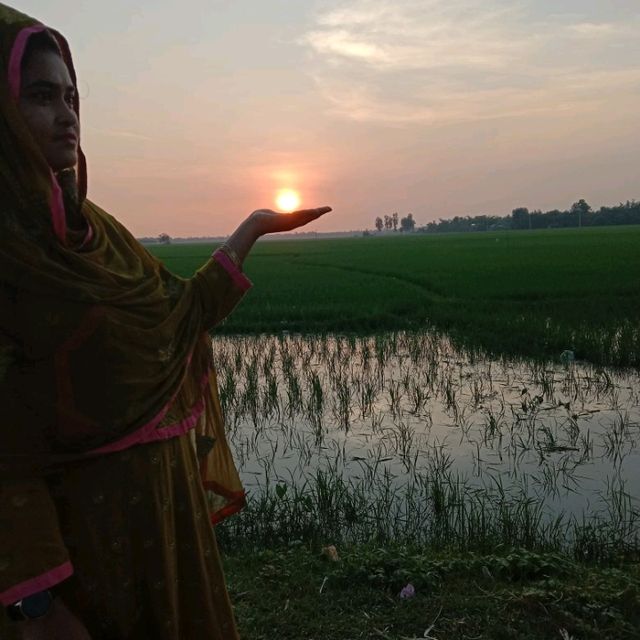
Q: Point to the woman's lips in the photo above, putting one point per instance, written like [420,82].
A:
[68,139]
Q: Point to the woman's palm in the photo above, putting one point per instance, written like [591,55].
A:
[274,222]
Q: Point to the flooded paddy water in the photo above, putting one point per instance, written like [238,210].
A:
[404,436]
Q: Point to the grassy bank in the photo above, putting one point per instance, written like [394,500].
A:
[526,293]
[437,515]
[510,594]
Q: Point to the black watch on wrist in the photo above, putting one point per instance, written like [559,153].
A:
[32,607]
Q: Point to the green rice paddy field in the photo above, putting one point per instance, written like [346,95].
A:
[498,550]
[509,292]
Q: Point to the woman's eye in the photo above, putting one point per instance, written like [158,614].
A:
[42,96]
[70,100]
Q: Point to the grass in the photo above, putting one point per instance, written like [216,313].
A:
[515,293]
[433,513]
[511,594]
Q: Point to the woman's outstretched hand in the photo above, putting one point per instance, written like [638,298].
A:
[265,221]
[268,221]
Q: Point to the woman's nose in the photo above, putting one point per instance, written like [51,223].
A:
[66,115]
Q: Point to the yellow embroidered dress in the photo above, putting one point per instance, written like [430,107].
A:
[113,457]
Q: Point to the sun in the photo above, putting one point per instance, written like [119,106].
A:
[287,200]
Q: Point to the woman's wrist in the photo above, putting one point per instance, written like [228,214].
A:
[241,240]
[257,224]
[231,254]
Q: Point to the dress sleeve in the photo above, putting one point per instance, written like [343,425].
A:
[220,286]
[33,556]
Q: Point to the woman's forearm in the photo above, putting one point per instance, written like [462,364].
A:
[243,238]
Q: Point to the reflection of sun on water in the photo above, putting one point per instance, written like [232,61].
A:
[287,200]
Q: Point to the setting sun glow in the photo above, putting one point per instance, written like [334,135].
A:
[287,200]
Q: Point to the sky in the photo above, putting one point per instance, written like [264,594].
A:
[195,113]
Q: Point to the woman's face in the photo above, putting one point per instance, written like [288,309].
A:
[46,102]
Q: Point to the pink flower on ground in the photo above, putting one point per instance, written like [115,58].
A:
[408,591]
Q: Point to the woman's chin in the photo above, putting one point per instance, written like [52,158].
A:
[63,165]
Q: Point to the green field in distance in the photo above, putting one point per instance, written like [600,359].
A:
[510,292]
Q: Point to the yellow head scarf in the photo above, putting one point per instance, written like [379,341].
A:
[98,344]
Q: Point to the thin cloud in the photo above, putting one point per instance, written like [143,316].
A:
[419,35]
[343,43]
[595,30]
[457,60]
[440,105]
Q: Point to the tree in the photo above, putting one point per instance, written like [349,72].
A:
[388,222]
[520,218]
[379,223]
[580,208]
[408,223]
[394,219]
[164,238]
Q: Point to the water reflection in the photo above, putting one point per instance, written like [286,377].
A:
[394,407]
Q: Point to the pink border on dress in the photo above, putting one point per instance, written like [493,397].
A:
[237,276]
[147,431]
[179,428]
[39,583]
[133,438]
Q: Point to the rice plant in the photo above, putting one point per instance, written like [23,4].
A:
[405,437]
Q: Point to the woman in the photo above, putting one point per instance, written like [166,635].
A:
[112,447]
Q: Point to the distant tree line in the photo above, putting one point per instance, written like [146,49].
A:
[391,222]
[579,215]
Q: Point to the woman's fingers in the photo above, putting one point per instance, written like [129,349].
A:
[318,210]
[295,219]
[274,222]
[304,216]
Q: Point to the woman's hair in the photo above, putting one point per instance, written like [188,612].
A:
[41,41]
